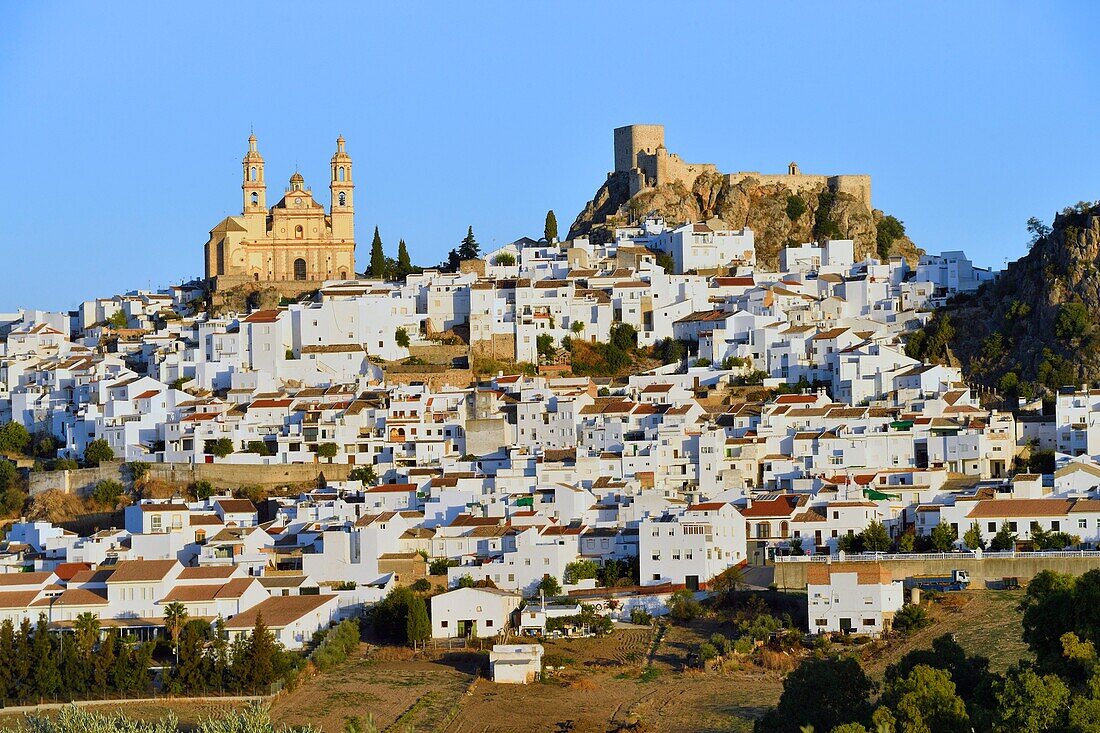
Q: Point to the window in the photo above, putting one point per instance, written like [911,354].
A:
[340,175]
[488,622]
[991,526]
[1083,523]
[255,199]
[252,175]
[868,622]
[443,624]
[343,198]
[1011,526]
[817,622]
[299,264]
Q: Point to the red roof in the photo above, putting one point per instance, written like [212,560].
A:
[709,506]
[792,399]
[147,395]
[268,316]
[781,506]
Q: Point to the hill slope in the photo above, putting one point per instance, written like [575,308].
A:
[777,215]
[1038,326]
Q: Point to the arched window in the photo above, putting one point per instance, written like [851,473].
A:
[340,175]
[299,268]
[220,265]
[255,199]
[298,232]
[343,199]
[252,174]
[256,276]
[343,274]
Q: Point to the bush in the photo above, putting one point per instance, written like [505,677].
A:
[364,474]
[401,336]
[107,492]
[338,643]
[886,231]
[14,438]
[550,586]
[505,259]
[327,451]
[682,606]
[258,447]
[421,585]
[580,570]
[911,618]
[641,617]
[796,207]
[624,337]
[707,652]
[1072,322]
[138,469]
[97,452]
[202,490]
[439,566]
[544,344]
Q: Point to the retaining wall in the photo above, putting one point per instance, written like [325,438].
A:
[986,570]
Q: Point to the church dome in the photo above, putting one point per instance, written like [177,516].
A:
[297,178]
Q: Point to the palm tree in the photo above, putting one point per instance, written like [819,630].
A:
[175,616]
[86,630]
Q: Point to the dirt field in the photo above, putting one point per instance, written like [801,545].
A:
[607,683]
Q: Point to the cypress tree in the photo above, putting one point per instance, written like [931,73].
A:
[404,264]
[7,658]
[550,229]
[262,651]
[47,677]
[418,628]
[377,257]
[469,249]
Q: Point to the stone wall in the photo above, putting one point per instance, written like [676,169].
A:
[221,475]
[985,572]
[500,346]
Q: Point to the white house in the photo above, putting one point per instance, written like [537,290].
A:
[852,598]
[472,612]
[292,619]
[515,664]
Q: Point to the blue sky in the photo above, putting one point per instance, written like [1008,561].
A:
[123,124]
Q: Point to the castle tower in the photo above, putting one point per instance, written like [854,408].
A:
[254,187]
[342,206]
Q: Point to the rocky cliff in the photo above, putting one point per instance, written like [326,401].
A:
[778,215]
[1037,327]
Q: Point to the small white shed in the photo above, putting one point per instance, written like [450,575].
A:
[515,664]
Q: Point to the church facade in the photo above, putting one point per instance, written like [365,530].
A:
[293,245]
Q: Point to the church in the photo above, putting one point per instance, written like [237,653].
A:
[294,245]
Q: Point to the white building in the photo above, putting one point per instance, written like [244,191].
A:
[472,612]
[852,598]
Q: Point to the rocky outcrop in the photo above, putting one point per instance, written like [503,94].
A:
[818,213]
[1037,327]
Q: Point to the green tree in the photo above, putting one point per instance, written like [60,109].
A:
[263,653]
[1027,701]
[117,320]
[202,490]
[876,538]
[220,447]
[821,694]
[549,585]
[107,492]
[404,266]
[544,344]
[46,675]
[259,447]
[581,570]
[389,617]
[550,227]
[1037,229]
[137,469]
[469,248]
[401,337]
[973,538]
[364,474]
[14,438]
[418,628]
[97,452]
[943,537]
[328,451]
[1004,540]
[925,701]
[377,257]
[505,259]
[12,496]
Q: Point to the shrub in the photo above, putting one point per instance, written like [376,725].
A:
[14,438]
[505,259]
[364,474]
[107,492]
[550,586]
[796,207]
[707,652]
[421,585]
[580,570]
[202,490]
[138,469]
[338,643]
[1072,322]
[220,447]
[682,606]
[401,336]
[258,447]
[911,618]
[439,566]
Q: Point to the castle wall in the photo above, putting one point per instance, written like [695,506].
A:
[858,186]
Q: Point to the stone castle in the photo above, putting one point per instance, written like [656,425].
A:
[640,152]
[294,245]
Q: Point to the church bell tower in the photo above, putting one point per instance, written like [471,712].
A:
[342,207]
[254,187]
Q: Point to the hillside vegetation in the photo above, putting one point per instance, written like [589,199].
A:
[1037,327]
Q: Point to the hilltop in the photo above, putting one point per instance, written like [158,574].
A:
[779,215]
[1037,327]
